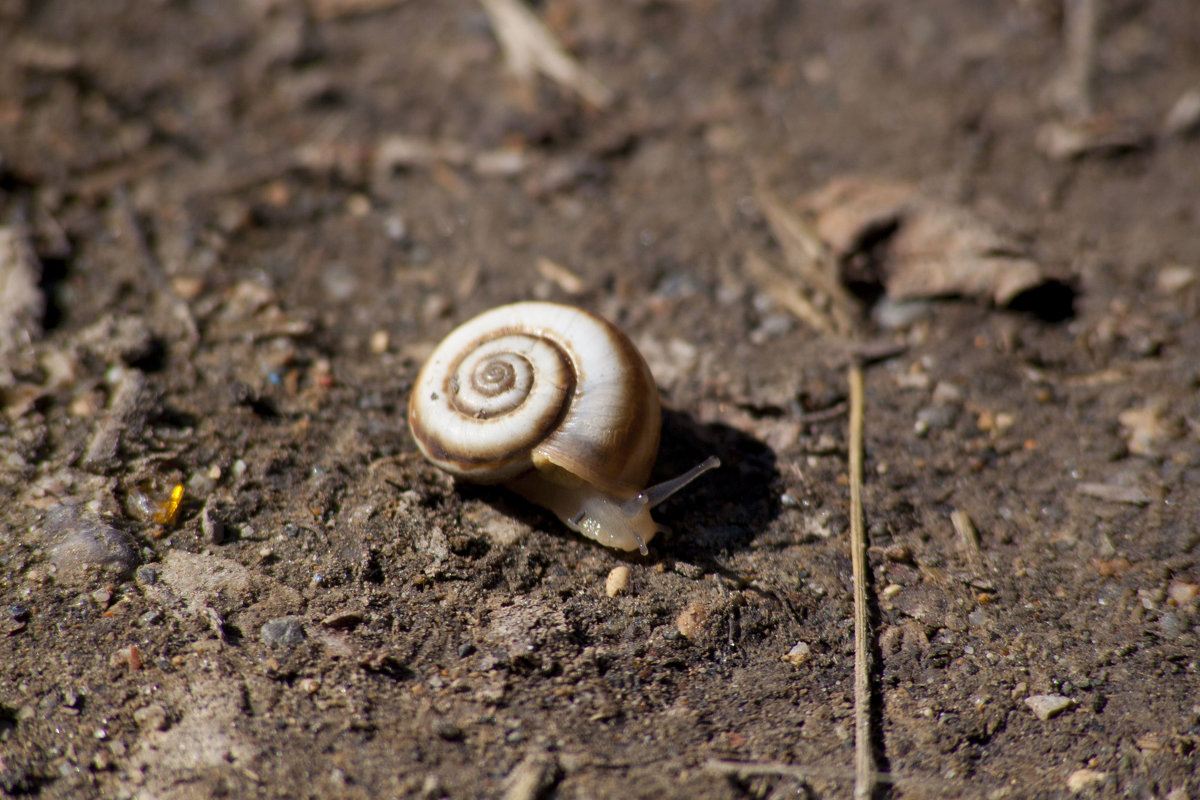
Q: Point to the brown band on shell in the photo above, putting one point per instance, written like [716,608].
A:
[516,457]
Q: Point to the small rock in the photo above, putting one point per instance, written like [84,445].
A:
[448,730]
[130,657]
[1170,625]
[935,418]
[308,685]
[151,617]
[1174,279]
[690,571]
[1115,493]
[1048,706]
[1184,117]
[379,342]
[282,632]
[947,393]
[1080,779]
[1145,428]
[211,526]
[342,620]
[799,653]
[81,546]
[152,717]
[691,618]
[1182,594]
[532,778]
[617,581]
[894,314]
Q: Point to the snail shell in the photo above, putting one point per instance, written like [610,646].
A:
[555,403]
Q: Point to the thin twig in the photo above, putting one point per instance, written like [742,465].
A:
[865,775]
[969,537]
[1074,87]
[530,47]
[784,291]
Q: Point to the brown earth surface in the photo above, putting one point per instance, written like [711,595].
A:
[231,231]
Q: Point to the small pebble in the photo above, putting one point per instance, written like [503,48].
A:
[691,618]
[448,730]
[282,632]
[340,620]
[799,653]
[81,546]
[308,685]
[934,418]
[211,526]
[1170,625]
[533,777]
[1182,594]
[1048,706]
[152,717]
[1080,779]
[947,393]
[617,581]
[130,657]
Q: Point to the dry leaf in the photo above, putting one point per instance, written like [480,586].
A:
[925,247]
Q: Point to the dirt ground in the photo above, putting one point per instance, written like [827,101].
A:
[231,231]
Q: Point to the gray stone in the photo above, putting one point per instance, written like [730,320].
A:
[282,632]
[82,548]
[1048,706]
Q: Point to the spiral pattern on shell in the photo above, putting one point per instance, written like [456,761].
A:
[538,385]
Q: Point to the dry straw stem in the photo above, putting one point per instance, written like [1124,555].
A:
[865,775]
[1072,90]
[969,537]
[809,258]
[783,290]
[530,47]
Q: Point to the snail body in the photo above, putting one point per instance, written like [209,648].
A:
[558,405]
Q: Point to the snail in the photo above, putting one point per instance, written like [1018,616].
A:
[556,404]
